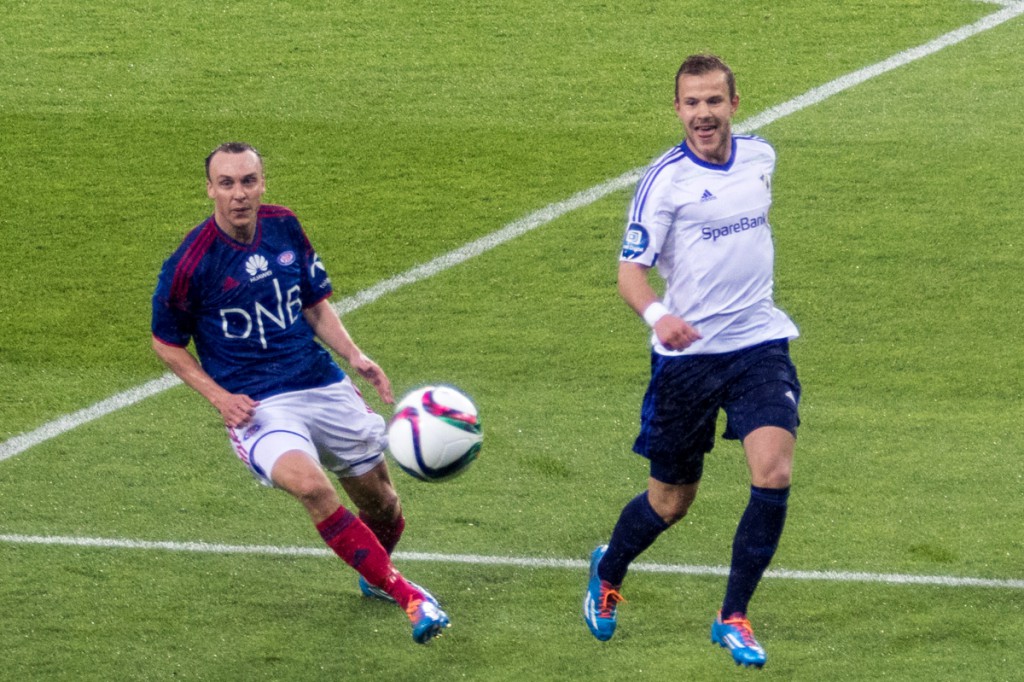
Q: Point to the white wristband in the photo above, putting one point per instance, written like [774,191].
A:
[654,312]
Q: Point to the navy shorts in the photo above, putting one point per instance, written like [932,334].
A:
[756,387]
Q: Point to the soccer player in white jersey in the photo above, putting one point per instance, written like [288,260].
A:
[700,216]
[247,288]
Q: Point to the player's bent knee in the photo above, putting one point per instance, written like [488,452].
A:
[775,472]
[671,509]
[674,515]
[389,503]
[313,494]
[374,494]
[671,502]
[383,507]
[302,478]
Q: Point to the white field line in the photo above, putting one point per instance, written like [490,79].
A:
[61,425]
[514,562]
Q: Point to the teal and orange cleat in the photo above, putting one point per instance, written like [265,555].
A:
[428,620]
[735,634]
[600,601]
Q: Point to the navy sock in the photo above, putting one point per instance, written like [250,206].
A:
[757,538]
[637,529]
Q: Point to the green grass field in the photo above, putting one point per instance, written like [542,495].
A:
[399,132]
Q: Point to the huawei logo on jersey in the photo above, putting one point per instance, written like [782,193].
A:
[256,264]
[258,267]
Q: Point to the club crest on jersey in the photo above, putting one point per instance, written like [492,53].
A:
[258,267]
[286,258]
[636,241]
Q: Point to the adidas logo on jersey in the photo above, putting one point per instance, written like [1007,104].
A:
[707,196]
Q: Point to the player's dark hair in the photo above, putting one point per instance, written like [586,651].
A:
[700,64]
[232,148]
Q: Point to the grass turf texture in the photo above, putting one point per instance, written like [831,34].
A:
[398,133]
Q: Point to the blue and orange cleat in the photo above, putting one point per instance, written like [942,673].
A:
[600,600]
[428,620]
[735,634]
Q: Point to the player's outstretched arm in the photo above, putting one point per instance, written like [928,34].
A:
[235,409]
[328,327]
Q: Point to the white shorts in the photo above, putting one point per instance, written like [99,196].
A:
[333,425]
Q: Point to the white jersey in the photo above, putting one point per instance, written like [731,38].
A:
[706,229]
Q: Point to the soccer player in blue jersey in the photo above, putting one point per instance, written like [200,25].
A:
[247,288]
[700,216]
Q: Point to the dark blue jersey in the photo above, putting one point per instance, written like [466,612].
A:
[242,306]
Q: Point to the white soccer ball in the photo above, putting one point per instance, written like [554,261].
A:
[435,433]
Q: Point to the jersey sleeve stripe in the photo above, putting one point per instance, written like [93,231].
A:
[189,262]
[643,189]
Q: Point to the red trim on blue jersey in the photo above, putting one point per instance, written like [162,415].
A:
[169,343]
[273,211]
[189,262]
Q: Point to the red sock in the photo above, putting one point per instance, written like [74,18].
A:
[388,532]
[359,548]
